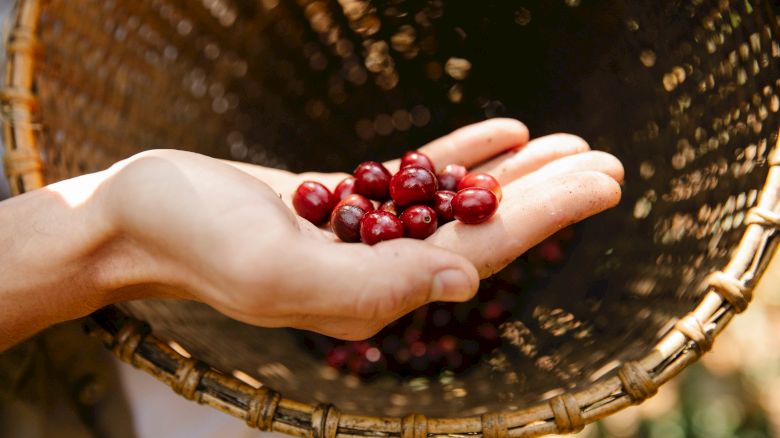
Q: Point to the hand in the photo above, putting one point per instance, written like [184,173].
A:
[178,224]
[549,183]
[222,237]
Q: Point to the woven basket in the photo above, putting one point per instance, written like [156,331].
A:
[685,92]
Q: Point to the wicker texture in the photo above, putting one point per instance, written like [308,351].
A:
[685,93]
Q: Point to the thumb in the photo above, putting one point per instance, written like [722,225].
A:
[387,280]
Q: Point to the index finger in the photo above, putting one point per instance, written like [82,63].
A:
[473,144]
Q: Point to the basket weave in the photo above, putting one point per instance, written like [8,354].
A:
[686,93]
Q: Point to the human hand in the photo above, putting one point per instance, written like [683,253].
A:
[182,225]
[224,238]
[548,182]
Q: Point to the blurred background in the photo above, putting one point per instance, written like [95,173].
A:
[734,391]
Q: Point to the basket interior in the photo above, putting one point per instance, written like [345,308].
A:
[686,93]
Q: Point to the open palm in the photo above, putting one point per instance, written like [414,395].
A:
[548,183]
[205,231]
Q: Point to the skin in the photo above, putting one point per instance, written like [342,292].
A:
[174,224]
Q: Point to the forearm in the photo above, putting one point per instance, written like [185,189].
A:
[54,263]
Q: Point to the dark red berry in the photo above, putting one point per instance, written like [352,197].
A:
[390,207]
[345,188]
[358,201]
[550,251]
[413,185]
[481,180]
[474,205]
[418,159]
[372,180]
[345,222]
[337,356]
[313,201]
[450,176]
[378,225]
[442,205]
[419,221]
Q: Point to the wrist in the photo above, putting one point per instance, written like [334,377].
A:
[60,258]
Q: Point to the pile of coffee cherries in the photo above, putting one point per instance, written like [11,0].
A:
[411,203]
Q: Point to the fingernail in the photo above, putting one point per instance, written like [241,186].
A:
[451,284]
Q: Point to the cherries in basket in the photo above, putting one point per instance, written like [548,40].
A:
[411,203]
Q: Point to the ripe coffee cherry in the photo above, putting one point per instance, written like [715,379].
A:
[481,180]
[412,185]
[416,158]
[450,176]
[313,202]
[372,180]
[345,222]
[378,225]
[358,201]
[442,205]
[345,188]
[474,205]
[390,207]
[419,221]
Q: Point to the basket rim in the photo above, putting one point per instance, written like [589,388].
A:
[727,292]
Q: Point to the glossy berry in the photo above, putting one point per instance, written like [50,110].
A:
[413,185]
[419,221]
[474,205]
[358,201]
[481,180]
[372,180]
[345,188]
[378,225]
[418,159]
[450,176]
[345,222]
[442,205]
[390,207]
[313,201]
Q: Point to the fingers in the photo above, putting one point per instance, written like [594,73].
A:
[537,153]
[528,214]
[473,144]
[592,160]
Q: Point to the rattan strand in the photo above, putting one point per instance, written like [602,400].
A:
[265,409]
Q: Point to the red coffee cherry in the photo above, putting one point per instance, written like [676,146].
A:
[345,188]
[345,222]
[481,180]
[390,207]
[372,180]
[358,201]
[377,225]
[418,159]
[474,205]
[450,176]
[442,205]
[412,185]
[419,221]
[313,202]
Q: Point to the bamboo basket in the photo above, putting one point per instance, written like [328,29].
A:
[685,92]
